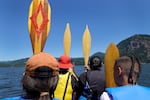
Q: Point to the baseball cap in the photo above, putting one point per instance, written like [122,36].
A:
[41,59]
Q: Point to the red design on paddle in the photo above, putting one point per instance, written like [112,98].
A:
[45,20]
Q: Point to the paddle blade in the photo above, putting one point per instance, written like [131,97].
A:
[67,40]
[111,54]
[39,23]
[86,44]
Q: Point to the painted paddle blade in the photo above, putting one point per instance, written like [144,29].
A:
[86,44]
[39,23]
[67,40]
[111,54]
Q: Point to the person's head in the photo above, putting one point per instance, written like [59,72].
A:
[64,63]
[40,77]
[126,70]
[95,62]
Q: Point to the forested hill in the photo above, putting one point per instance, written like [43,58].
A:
[15,63]
[139,45]
[21,62]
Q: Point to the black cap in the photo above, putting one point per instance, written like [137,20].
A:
[95,62]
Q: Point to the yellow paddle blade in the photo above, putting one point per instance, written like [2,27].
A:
[67,40]
[111,54]
[86,45]
[67,46]
[39,23]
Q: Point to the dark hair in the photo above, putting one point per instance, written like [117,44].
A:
[131,73]
[95,62]
[41,82]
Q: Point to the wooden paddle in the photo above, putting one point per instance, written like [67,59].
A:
[67,40]
[39,23]
[67,46]
[86,45]
[111,54]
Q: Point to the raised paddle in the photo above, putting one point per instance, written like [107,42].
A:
[86,45]
[67,40]
[39,24]
[111,54]
[67,46]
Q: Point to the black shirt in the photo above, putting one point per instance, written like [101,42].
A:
[96,80]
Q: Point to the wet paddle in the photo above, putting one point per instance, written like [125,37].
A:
[86,45]
[39,23]
[111,54]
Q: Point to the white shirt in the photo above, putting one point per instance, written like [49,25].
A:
[105,96]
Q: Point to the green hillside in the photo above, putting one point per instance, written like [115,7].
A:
[15,63]
[138,45]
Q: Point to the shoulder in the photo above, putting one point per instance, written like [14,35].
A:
[96,74]
[82,75]
[82,78]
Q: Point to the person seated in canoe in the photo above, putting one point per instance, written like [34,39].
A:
[65,89]
[92,82]
[126,74]
[40,77]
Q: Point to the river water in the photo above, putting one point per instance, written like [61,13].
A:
[10,79]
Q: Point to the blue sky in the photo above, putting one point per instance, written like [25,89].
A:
[108,21]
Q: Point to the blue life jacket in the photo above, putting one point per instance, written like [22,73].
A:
[130,92]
